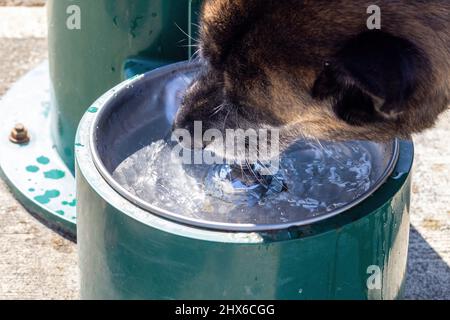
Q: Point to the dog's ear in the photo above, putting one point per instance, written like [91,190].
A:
[372,77]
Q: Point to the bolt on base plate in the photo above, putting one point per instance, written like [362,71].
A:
[29,162]
[19,134]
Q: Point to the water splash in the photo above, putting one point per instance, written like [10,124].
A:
[313,179]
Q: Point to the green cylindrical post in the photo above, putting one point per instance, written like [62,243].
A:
[91,43]
[126,253]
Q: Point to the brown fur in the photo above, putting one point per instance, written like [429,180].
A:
[263,60]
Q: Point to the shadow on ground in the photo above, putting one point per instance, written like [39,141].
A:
[428,274]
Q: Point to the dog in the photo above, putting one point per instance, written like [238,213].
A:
[313,69]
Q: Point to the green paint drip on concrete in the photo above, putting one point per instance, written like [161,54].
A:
[32,169]
[31,190]
[60,212]
[92,109]
[43,160]
[55,174]
[79,145]
[70,204]
[47,196]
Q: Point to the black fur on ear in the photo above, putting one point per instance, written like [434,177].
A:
[372,77]
[350,102]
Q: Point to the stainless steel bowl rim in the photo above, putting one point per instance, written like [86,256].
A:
[151,209]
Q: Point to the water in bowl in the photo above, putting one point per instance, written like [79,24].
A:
[314,178]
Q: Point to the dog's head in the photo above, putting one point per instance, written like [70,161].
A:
[314,69]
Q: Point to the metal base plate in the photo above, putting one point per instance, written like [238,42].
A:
[34,171]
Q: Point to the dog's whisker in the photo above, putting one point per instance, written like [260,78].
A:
[274,178]
[185,33]
[217,109]
[195,55]
[255,175]
[226,118]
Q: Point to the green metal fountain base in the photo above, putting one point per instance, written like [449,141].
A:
[37,176]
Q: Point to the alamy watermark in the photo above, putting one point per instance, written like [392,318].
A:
[374,20]
[375,279]
[73,21]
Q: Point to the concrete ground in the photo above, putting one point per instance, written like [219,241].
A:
[36,263]
[30,3]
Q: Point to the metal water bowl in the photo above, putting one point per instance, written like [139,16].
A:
[130,248]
